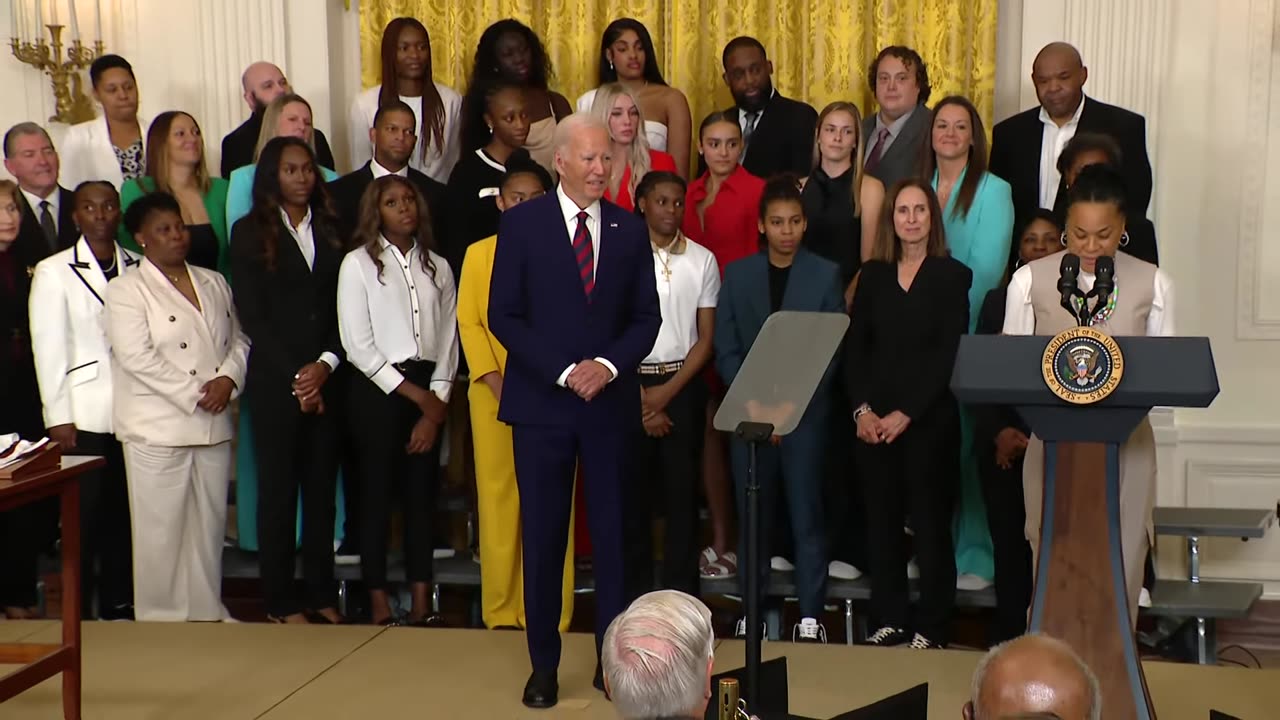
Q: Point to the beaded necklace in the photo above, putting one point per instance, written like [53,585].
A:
[1102,315]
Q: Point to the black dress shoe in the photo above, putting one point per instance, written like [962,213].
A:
[428,621]
[542,689]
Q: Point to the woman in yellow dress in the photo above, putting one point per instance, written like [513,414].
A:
[497,499]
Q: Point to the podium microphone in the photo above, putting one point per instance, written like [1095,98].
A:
[1067,273]
[1104,279]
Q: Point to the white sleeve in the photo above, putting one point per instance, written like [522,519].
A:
[355,327]
[51,343]
[1160,321]
[1019,316]
[710,283]
[584,101]
[452,126]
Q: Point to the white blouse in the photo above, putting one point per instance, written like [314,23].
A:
[1020,317]
[404,314]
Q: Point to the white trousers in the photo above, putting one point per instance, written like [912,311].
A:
[178,498]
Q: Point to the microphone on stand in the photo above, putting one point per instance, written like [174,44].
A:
[1104,282]
[1068,271]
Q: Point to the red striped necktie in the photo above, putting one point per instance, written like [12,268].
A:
[584,254]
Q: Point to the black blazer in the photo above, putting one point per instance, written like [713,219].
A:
[1015,153]
[902,159]
[29,229]
[782,141]
[901,346]
[238,146]
[20,408]
[348,189]
[290,315]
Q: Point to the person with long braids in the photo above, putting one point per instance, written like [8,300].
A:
[397,315]
[406,74]
[285,283]
[510,53]
[627,56]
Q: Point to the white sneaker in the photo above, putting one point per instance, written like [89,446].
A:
[740,629]
[441,553]
[971,582]
[842,570]
[777,563]
[809,630]
[1144,598]
[913,570]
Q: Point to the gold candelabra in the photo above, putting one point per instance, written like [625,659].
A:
[68,87]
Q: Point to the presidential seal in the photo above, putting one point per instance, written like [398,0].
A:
[1082,365]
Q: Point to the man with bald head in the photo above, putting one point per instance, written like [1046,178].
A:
[262,83]
[574,300]
[1033,676]
[1025,147]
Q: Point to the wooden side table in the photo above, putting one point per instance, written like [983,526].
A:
[42,661]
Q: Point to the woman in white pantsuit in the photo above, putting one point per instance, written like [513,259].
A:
[180,359]
[1142,304]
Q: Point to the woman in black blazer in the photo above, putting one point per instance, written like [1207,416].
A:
[1000,439]
[284,258]
[909,310]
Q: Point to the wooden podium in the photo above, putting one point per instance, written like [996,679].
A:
[1080,583]
[42,661]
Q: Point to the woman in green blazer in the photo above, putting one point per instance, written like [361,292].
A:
[176,165]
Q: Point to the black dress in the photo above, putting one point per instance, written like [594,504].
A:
[204,247]
[834,232]
[473,187]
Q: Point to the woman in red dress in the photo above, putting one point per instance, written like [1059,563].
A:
[632,156]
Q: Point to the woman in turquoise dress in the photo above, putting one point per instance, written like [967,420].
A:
[978,216]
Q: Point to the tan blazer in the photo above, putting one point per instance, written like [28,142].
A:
[164,350]
[73,360]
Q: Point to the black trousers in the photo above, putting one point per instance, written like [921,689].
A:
[667,481]
[106,539]
[918,477]
[1006,520]
[296,451]
[846,528]
[27,530]
[382,425]
[348,453]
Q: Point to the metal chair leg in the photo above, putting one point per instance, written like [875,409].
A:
[848,622]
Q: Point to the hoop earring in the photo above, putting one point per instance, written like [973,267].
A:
[1017,263]
[1064,239]
[490,127]
[1124,239]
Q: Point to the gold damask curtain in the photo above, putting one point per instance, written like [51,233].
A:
[820,48]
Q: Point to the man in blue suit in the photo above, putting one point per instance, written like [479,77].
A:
[574,301]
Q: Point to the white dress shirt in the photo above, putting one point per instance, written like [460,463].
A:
[693,284]
[1051,143]
[379,171]
[569,209]
[34,201]
[406,314]
[1020,317]
[439,161]
[306,239]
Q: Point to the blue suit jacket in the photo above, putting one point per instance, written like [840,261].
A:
[813,286]
[539,312]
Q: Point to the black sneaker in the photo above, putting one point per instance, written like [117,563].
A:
[809,630]
[887,637]
[920,642]
[346,554]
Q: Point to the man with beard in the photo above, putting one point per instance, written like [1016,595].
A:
[777,132]
[263,82]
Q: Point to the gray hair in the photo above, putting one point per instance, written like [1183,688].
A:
[1060,647]
[655,656]
[567,128]
[20,130]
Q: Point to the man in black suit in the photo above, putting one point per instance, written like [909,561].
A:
[1025,147]
[777,132]
[47,225]
[898,133]
[263,82]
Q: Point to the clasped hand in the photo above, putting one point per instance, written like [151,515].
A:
[306,386]
[216,394]
[873,429]
[588,378]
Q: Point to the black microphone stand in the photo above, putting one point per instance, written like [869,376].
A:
[753,433]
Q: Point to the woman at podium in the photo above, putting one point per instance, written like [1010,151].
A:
[1141,304]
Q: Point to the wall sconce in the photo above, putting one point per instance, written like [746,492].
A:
[29,21]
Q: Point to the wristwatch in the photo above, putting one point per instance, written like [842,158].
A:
[863,409]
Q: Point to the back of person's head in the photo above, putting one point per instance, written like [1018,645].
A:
[657,657]
[1093,144]
[146,206]
[520,163]
[1033,676]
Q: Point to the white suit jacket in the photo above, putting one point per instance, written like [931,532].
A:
[87,154]
[164,350]
[69,338]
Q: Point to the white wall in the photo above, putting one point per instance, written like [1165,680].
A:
[1203,74]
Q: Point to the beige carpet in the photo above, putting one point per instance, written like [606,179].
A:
[234,672]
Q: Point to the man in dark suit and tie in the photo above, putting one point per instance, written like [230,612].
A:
[898,133]
[574,301]
[1025,147]
[47,226]
[777,132]
[263,82]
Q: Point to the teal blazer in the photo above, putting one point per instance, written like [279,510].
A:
[240,194]
[980,239]
[215,203]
